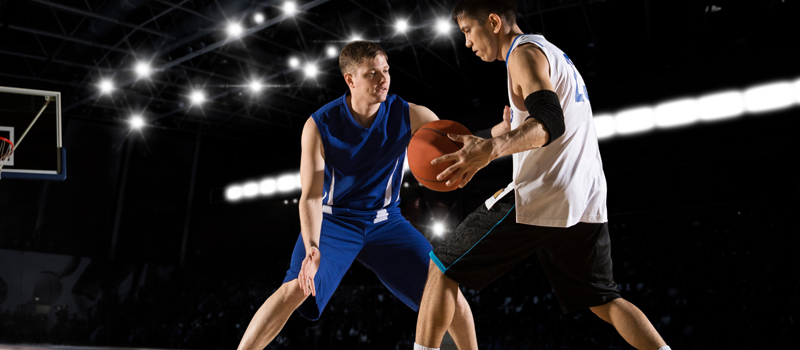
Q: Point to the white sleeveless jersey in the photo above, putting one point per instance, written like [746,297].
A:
[563,183]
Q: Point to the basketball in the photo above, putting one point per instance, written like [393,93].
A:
[431,142]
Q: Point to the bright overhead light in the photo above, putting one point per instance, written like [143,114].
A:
[294,62]
[604,126]
[676,113]
[331,51]
[310,70]
[250,189]
[197,97]
[720,105]
[796,87]
[234,29]
[268,186]
[255,86]
[137,121]
[634,120]
[438,229]
[106,86]
[443,26]
[401,25]
[289,8]
[768,97]
[233,193]
[355,38]
[258,18]
[287,183]
[143,69]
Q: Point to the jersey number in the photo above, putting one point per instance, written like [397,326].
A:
[578,96]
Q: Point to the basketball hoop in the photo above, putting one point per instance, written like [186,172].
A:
[6,149]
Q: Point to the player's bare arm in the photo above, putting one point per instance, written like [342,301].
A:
[312,177]
[420,115]
[530,72]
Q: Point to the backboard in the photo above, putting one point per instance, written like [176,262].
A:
[39,155]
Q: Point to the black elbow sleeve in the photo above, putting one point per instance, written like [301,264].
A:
[545,107]
[484,134]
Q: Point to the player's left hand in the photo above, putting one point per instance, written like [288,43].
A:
[475,155]
[308,270]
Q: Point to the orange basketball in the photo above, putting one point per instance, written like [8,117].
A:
[431,142]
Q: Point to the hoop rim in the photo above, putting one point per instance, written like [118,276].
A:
[7,153]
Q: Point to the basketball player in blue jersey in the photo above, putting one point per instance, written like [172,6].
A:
[556,204]
[351,170]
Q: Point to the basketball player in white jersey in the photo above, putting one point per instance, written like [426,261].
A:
[556,204]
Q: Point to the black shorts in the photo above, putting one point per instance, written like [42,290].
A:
[490,242]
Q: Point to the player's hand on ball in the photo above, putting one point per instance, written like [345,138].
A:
[475,155]
[308,270]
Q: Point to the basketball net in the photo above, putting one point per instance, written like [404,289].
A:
[7,147]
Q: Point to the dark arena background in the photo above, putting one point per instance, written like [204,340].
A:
[179,212]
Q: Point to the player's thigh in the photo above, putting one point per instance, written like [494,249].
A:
[487,244]
[339,244]
[398,254]
[578,265]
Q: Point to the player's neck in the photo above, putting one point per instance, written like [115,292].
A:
[506,39]
[363,111]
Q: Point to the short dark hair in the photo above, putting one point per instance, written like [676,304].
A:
[479,10]
[356,52]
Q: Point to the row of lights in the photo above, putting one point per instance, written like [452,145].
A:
[711,107]
[715,106]
[269,186]
[235,29]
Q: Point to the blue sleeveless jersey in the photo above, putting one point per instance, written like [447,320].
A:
[363,166]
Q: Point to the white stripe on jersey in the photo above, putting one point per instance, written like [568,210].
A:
[330,190]
[387,199]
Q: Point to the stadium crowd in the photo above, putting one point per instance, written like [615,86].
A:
[706,277]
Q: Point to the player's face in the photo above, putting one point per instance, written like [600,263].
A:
[371,79]
[479,38]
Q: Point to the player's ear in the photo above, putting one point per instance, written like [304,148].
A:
[495,22]
[348,79]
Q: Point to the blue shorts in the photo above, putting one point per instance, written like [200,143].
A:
[392,248]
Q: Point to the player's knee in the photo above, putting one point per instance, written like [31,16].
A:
[433,270]
[602,310]
[290,292]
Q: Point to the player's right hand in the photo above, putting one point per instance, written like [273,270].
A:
[308,270]
[506,120]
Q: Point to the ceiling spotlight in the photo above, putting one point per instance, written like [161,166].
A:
[143,69]
[137,121]
[233,193]
[443,26]
[250,189]
[197,97]
[310,70]
[286,183]
[234,29]
[106,86]
[294,62]
[331,51]
[438,229]
[289,8]
[255,86]
[268,186]
[401,26]
[355,38]
[258,18]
